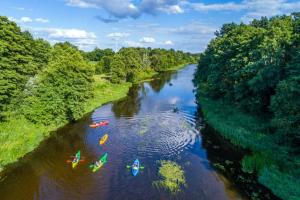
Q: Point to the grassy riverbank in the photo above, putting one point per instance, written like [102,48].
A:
[175,68]
[275,168]
[18,136]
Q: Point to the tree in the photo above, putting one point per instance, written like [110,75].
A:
[19,61]
[61,89]
[118,74]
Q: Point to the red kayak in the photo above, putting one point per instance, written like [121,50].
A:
[95,125]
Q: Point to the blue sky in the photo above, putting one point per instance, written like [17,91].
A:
[180,24]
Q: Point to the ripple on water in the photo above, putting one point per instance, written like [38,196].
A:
[159,133]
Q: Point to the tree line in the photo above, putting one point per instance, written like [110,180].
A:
[128,64]
[256,68]
[51,84]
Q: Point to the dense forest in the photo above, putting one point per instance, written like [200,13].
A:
[248,84]
[50,85]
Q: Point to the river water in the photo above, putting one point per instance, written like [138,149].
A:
[143,125]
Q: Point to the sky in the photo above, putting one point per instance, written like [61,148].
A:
[186,25]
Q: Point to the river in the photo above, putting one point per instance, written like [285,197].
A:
[143,125]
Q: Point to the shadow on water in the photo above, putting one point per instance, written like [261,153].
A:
[161,79]
[130,105]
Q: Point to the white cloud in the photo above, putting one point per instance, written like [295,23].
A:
[147,40]
[256,9]
[28,20]
[175,9]
[217,7]
[82,3]
[193,28]
[83,39]
[42,20]
[68,33]
[25,19]
[128,8]
[253,8]
[118,35]
[169,42]
[12,19]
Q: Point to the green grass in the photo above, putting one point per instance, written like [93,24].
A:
[241,129]
[19,136]
[172,177]
[105,92]
[146,75]
[177,67]
[271,161]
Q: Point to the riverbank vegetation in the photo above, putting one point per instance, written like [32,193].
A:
[248,85]
[43,86]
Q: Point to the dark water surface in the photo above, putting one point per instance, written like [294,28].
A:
[143,126]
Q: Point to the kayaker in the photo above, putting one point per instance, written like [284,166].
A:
[135,166]
[75,160]
[98,163]
[175,110]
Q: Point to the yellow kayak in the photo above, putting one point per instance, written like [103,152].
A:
[74,164]
[103,139]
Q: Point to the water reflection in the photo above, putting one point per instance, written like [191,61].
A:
[158,83]
[130,105]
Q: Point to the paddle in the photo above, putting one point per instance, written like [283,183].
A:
[128,167]
[75,156]
[69,161]
[91,166]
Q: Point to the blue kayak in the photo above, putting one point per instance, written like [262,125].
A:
[135,167]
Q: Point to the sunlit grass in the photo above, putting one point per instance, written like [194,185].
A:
[268,159]
[18,137]
[172,177]
[104,92]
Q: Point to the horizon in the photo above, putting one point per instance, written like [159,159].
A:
[185,25]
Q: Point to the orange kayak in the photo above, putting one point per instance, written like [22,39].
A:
[95,125]
[103,139]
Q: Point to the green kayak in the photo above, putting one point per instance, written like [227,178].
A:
[95,167]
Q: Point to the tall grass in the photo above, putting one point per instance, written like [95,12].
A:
[271,161]
[104,92]
[18,136]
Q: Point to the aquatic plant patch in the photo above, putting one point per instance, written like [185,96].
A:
[171,177]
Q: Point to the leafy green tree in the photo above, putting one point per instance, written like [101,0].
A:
[20,59]
[61,89]
[286,105]
[118,73]
[132,61]
[97,54]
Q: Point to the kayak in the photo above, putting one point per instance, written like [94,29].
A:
[101,162]
[103,139]
[76,160]
[135,167]
[95,125]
